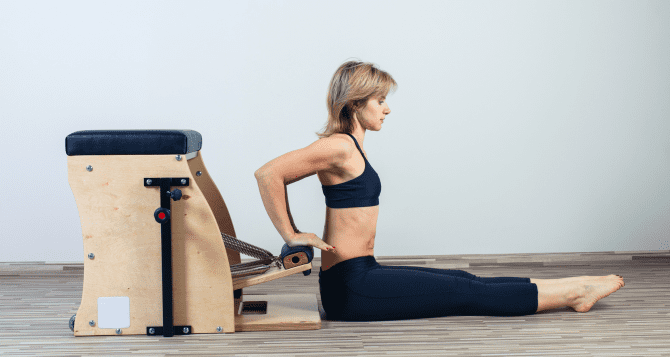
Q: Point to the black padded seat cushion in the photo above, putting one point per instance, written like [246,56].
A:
[132,142]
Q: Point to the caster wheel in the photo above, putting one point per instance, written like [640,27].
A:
[72,322]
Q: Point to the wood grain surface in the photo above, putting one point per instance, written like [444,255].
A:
[38,298]
[116,211]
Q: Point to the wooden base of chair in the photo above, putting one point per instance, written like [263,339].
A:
[283,312]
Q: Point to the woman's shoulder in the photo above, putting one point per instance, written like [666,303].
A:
[338,145]
[339,140]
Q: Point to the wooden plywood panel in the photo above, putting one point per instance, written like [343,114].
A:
[273,273]
[216,202]
[284,312]
[118,226]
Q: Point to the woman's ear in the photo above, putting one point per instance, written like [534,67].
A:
[356,109]
[354,113]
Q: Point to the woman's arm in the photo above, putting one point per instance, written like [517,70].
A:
[277,206]
[288,210]
[323,154]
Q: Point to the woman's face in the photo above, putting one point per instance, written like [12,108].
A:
[374,113]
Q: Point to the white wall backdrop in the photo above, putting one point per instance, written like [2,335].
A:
[517,127]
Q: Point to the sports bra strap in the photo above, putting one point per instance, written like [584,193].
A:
[359,148]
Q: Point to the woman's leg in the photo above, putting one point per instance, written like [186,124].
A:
[552,293]
[394,293]
[374,292]
[554,296]
[498,280]
[464,274]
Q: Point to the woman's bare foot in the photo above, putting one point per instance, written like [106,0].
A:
[594,290]
[579,279]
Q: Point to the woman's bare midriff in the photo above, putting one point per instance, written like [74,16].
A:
[350,230]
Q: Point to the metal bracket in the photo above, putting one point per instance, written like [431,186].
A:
[168,329]
[153,181]
[177,330]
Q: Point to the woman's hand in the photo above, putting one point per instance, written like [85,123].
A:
[308,239]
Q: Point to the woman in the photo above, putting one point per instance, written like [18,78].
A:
[354,287]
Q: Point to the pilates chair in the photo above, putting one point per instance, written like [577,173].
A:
[160,253]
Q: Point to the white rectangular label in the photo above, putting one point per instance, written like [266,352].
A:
[114,312]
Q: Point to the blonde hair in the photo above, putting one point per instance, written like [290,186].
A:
[352,85]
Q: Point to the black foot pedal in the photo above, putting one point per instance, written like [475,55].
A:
[296,256]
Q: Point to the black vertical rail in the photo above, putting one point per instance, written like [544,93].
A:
[166,248]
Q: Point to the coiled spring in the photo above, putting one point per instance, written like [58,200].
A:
[266,259]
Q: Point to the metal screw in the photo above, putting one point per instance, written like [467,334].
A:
[183,181]
[186,330]
[92,323]
[152,330]
[198,173]
[118,331]
[178,157]
[89,168]
[148,181]
[219,329]
[91,255]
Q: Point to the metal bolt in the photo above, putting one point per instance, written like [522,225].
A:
[152,330]
[92,323]
[198,173]
[183,181]
[178,157]
[149,181]
[89,168]
[91,255]
[219,329]
[186,330]
[118,331]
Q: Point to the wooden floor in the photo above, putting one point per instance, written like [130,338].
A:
[38,298]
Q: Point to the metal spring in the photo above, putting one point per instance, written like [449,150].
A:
[242,266]
[250,271]
[255,267]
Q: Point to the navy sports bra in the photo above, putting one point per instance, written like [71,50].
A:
[363,191]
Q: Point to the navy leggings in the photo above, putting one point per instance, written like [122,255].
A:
[360,289]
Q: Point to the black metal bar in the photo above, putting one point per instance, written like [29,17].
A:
[176,330]
[168,329]
[173,181]
[166,248]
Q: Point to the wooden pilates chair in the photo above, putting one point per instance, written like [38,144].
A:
[160,257]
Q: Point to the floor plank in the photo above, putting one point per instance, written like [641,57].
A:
[38,298]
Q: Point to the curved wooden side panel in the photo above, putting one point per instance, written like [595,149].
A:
[216,203]
[118,226]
